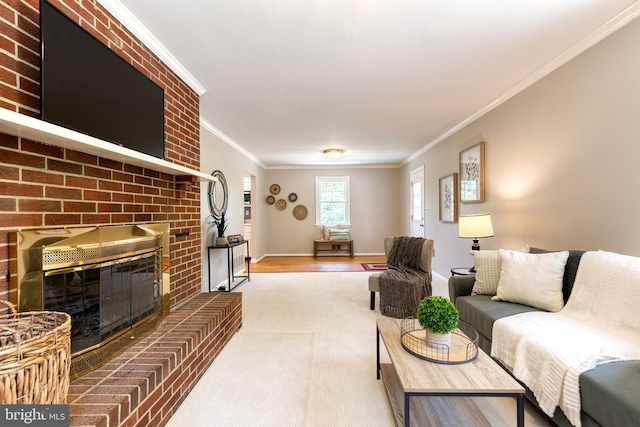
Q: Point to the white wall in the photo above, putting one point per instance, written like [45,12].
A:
[561,160]
[375,210]
[216,154]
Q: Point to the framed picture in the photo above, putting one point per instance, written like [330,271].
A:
[449,198]
[472,174]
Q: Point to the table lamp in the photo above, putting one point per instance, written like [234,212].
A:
[475,227]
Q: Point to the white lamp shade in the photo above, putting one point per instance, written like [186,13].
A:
[475,226]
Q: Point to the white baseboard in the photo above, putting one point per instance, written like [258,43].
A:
[440,285]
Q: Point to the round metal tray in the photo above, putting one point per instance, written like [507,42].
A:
[463,347]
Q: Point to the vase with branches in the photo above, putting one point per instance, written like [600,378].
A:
[221,225]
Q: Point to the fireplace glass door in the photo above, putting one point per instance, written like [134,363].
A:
[105,299]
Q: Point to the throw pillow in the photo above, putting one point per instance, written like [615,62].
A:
[532,279]
[324,232]
[488,265]
[339,234]
[570,271]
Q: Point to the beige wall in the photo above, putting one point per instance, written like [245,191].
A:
[218,155]
[375,211]
[561,160]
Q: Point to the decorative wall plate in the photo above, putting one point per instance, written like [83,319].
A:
[281,204]
[293,197]
[271,200]
[300,212]
[274,189]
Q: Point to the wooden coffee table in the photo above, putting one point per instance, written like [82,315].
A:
[408,376]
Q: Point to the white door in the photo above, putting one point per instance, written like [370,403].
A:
[417,202]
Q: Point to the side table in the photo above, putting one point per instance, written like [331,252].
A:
[462,271]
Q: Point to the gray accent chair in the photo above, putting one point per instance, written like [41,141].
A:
[425,262]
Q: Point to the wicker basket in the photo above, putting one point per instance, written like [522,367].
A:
[35,353]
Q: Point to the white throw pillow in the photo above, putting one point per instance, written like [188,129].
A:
[488,265]
[325,232]
[532,279]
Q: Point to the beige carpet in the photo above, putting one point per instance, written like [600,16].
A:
[305,356]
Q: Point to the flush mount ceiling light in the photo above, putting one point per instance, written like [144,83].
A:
[333,153]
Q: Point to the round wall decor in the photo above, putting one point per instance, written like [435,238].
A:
[274,189]
[271,200]
[218,195]
[293,197]
[300,212]
[281,204]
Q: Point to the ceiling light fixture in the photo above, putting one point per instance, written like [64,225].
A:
[333,153]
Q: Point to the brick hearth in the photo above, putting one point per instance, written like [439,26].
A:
[145,385]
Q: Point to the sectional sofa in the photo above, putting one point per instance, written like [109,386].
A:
[519,314]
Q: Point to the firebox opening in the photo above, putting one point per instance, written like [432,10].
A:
[111,280]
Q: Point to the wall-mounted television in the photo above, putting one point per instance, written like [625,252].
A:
[86,87]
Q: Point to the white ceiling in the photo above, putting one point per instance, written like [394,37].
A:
[382,79]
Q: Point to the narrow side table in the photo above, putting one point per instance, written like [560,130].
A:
[462,271]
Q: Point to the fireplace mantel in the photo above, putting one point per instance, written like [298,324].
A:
[21,125]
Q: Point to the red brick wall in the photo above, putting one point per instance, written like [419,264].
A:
[46,186]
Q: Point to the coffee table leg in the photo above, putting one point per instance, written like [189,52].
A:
[407,421]
[520,406]
[377,353]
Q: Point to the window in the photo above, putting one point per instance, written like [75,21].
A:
[332,200]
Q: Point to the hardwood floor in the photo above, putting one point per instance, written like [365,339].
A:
[290,264]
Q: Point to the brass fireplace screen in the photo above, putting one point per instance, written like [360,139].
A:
[108,279]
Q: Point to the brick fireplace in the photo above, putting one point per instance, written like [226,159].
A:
[45,186]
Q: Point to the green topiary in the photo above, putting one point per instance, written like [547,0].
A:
[438,314]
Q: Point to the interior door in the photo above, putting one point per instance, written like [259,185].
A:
[417,202]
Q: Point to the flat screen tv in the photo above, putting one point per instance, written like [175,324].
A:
[90,89]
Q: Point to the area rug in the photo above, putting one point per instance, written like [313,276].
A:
[305,357]
[374,266]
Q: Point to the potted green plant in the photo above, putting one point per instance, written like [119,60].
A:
[438,316]
[221,225]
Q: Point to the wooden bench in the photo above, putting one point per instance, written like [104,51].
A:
[340,247]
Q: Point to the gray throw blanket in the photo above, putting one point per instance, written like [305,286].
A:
[405,283]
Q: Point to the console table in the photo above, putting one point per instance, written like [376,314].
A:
[231,277]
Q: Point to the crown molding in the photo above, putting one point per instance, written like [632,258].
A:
[132,23]
[333,167]
[222,136]
[604,31]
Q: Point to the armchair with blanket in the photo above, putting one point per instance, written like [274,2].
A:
[407,279]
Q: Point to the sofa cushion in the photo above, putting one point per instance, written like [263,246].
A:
[570,270]
[609,393]
[480,312]
[532,279]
